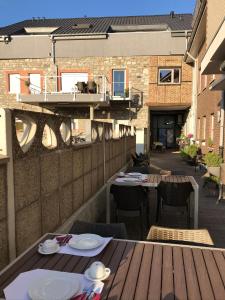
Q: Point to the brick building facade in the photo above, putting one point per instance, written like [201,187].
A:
[208,20]
[138,53]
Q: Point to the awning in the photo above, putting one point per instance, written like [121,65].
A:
[215,54]
[167,106]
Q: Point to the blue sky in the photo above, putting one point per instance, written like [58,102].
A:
[12,11]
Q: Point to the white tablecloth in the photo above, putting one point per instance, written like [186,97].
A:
[18,288]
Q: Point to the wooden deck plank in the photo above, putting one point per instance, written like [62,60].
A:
[203,278]
[133,272]
[154,292]
[167,274]
[193,290]
[179,275]
[214,275]
[220,261]
[144,274]
[113,265]
[121,274]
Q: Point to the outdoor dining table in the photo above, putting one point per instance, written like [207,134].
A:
[152,181]
[139,270]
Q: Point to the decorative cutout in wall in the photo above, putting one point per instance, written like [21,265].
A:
[65,130]
[49,139]
[94,134]
[100,131]
[25,131]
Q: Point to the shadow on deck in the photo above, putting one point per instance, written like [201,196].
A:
[211,215]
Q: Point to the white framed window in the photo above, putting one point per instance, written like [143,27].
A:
[119,83]
[14,83]
[204,127]
[199,82]
[35,83]
[212,127]
[198,128]
[169,76]
[205,81]
[69,81]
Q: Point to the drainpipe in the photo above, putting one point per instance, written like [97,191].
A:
[194,94]
[222,107]
[53,49]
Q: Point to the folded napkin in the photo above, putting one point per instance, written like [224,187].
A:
[63,239]
[84,297]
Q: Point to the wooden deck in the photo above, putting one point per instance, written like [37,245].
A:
[140,270]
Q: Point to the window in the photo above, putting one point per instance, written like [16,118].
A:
[169,76]
[198,128]
[14,83]
[35,83]
[69,81]
[199,82]
[203,128]
[212,127]
[119,84]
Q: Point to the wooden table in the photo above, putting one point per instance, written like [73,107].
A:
[140,270]
[152,182]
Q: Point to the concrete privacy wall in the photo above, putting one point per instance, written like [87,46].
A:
[4,257]
[51,184]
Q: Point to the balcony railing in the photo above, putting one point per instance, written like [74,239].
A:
[67,89]
[64,89]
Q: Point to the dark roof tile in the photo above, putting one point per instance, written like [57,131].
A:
[100,24]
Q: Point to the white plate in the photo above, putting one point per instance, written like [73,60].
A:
[54,287]
[134,174]
[50,252]
[86,241]
[107,273]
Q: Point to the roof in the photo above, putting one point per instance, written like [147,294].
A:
[101,25]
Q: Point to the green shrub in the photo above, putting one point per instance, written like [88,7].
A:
[192,150]
[212,159]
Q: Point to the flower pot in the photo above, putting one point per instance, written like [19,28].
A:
[215,171]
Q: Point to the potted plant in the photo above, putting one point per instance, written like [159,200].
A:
[127,93]
[210,144]
[213,162]
[27,83]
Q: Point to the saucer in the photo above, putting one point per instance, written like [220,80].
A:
[87,276]
[49,252]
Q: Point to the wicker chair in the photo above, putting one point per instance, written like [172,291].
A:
[184,236]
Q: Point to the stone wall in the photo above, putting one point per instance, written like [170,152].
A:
[50,185]
[4,257]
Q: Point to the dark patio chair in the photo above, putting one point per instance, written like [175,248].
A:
[117,230]
[131,201]
[174,194]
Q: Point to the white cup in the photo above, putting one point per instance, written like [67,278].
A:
[48,245]
[97,270]
[121,174]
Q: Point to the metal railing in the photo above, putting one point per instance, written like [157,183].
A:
[50,85]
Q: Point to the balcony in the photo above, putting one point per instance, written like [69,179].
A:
[65,91]
[69,90]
